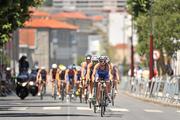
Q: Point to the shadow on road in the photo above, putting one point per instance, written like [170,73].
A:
[41,115]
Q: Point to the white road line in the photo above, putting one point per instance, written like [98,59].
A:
[83,108]
[153,110]
[178,111]
[119,109]
[18,108]
[51,108]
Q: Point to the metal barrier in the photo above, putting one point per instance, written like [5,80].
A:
[164,88]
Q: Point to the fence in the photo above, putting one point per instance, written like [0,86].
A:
[165,89]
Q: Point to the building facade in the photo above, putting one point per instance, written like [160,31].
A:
[90,4]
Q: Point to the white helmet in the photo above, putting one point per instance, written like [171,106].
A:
[43,68]
[8,69]
[54,66]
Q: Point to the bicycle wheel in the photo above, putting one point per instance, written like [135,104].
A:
[41,96]
[55,91]
[112,95]
[102,103]
[62,92]
[80,95]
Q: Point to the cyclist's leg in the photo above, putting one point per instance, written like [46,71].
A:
[53,85]
[59,87]
[67,85]
[91,88]
[115,86]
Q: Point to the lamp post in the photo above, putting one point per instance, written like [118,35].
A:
[151,60]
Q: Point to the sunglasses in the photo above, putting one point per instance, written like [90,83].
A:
[102,61]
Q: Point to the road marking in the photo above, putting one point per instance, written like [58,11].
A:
[51,108]
[119,110]
[178,111]
[152,110]
[18,108]
[83,108]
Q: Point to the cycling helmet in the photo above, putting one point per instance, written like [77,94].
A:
[108,59]
[78,68]
[88,57]
[62,67]
[54,66]
[8,69]
[43,68]
[102,58]
[94,58]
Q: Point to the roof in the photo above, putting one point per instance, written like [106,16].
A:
[49,23]
[71,15]
[27,38]
[39,13]
[121,46]
[96,18]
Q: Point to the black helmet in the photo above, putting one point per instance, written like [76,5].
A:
[88,57]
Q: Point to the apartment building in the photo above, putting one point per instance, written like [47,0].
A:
[90,4]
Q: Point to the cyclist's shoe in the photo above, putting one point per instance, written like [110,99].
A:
[90,96]
[77,93]
[72,96]
[39,94]
[67,96]
[83,96]
[59,96]
[116,92]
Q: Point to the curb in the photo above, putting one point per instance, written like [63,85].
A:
[155,101]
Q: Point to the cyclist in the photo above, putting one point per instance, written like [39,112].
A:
[62,71]
[54,77]
[78,79]
[84,66]
[70,79]
[114,72]
[102,70]
[42,78]
[94,61]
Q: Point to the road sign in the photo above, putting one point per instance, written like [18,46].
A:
[156,54]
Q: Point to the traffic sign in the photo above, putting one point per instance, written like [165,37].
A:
[156,54]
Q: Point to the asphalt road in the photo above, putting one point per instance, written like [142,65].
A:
[126,108]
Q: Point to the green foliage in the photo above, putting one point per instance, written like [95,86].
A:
[165,25]
[138,7]
[13,13]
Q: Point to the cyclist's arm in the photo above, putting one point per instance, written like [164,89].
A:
[88,71]
[94,71]
[83,70]
[66,74]
[117,75]
[110,72]
[75,76]
[37,76]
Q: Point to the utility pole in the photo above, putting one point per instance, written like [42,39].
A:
[151,60]
[132,50]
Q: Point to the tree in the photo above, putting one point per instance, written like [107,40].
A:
[13,13]
[138,7]
[165,19]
